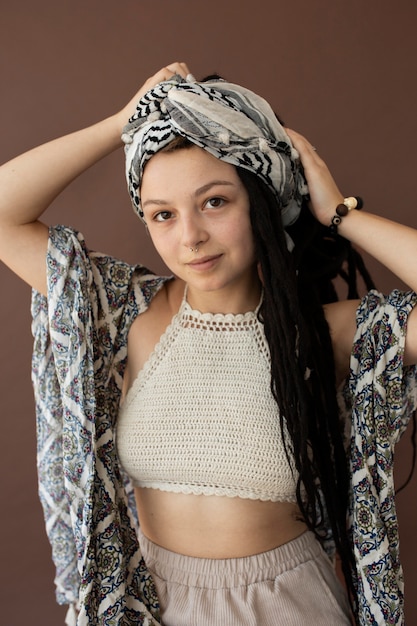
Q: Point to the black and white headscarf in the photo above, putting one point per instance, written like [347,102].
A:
[229,121]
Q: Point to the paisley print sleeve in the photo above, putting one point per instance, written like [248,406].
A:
[80,333]
[383,398]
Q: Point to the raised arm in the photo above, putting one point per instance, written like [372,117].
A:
[30,182]
[371,233]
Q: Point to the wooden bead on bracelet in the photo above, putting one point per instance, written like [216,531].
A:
[352,202]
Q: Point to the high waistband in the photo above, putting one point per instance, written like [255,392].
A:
[228,573]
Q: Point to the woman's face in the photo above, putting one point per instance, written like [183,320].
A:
[191,200]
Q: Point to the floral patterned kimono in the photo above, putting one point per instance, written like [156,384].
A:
[80,347]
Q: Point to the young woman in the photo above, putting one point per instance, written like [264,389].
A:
[206,402]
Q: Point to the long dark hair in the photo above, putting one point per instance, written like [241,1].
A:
[303,383]
[296,285]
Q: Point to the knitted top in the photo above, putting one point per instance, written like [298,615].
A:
[200,417]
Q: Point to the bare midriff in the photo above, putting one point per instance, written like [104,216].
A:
[216,527]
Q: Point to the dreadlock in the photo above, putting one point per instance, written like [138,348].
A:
[302,367]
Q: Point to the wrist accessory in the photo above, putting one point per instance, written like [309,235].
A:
[352,202]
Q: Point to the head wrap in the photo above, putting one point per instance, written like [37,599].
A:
[229,121]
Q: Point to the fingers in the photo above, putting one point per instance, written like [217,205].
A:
[168,72]
[303,146]
[323,190]
[309,156]
[163,74]
[179,68]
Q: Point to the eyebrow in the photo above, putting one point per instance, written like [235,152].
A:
[198,192]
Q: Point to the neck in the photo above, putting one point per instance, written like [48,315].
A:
[226,300]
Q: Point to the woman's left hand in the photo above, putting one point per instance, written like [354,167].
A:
[324,193]
[378,236]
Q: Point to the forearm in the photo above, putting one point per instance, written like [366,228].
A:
[30,182]
[392,244]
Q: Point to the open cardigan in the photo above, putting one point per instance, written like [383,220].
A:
[80,348]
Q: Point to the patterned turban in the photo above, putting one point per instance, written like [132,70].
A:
[230,122]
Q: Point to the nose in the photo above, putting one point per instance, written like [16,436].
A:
[193,230]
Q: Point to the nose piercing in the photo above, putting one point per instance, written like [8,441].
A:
[194,249]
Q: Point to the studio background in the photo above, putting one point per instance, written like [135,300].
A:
[342,73]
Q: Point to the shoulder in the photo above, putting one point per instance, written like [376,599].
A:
[164,304]
[348,317]
[100,277]
[392,321]
[385,318]
[340,315]
[147,329]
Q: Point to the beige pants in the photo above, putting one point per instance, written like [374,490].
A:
[293,585]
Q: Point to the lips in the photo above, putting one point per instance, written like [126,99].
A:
[205,262]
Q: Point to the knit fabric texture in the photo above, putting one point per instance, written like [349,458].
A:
[200,417]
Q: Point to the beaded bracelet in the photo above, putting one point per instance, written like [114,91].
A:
[353,202]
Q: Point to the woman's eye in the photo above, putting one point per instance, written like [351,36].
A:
[162,216]
[214,203]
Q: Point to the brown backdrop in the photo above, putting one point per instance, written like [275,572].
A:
[341,72]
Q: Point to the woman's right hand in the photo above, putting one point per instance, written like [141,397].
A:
[164,73]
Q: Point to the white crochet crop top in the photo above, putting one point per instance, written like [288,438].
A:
[200,417]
